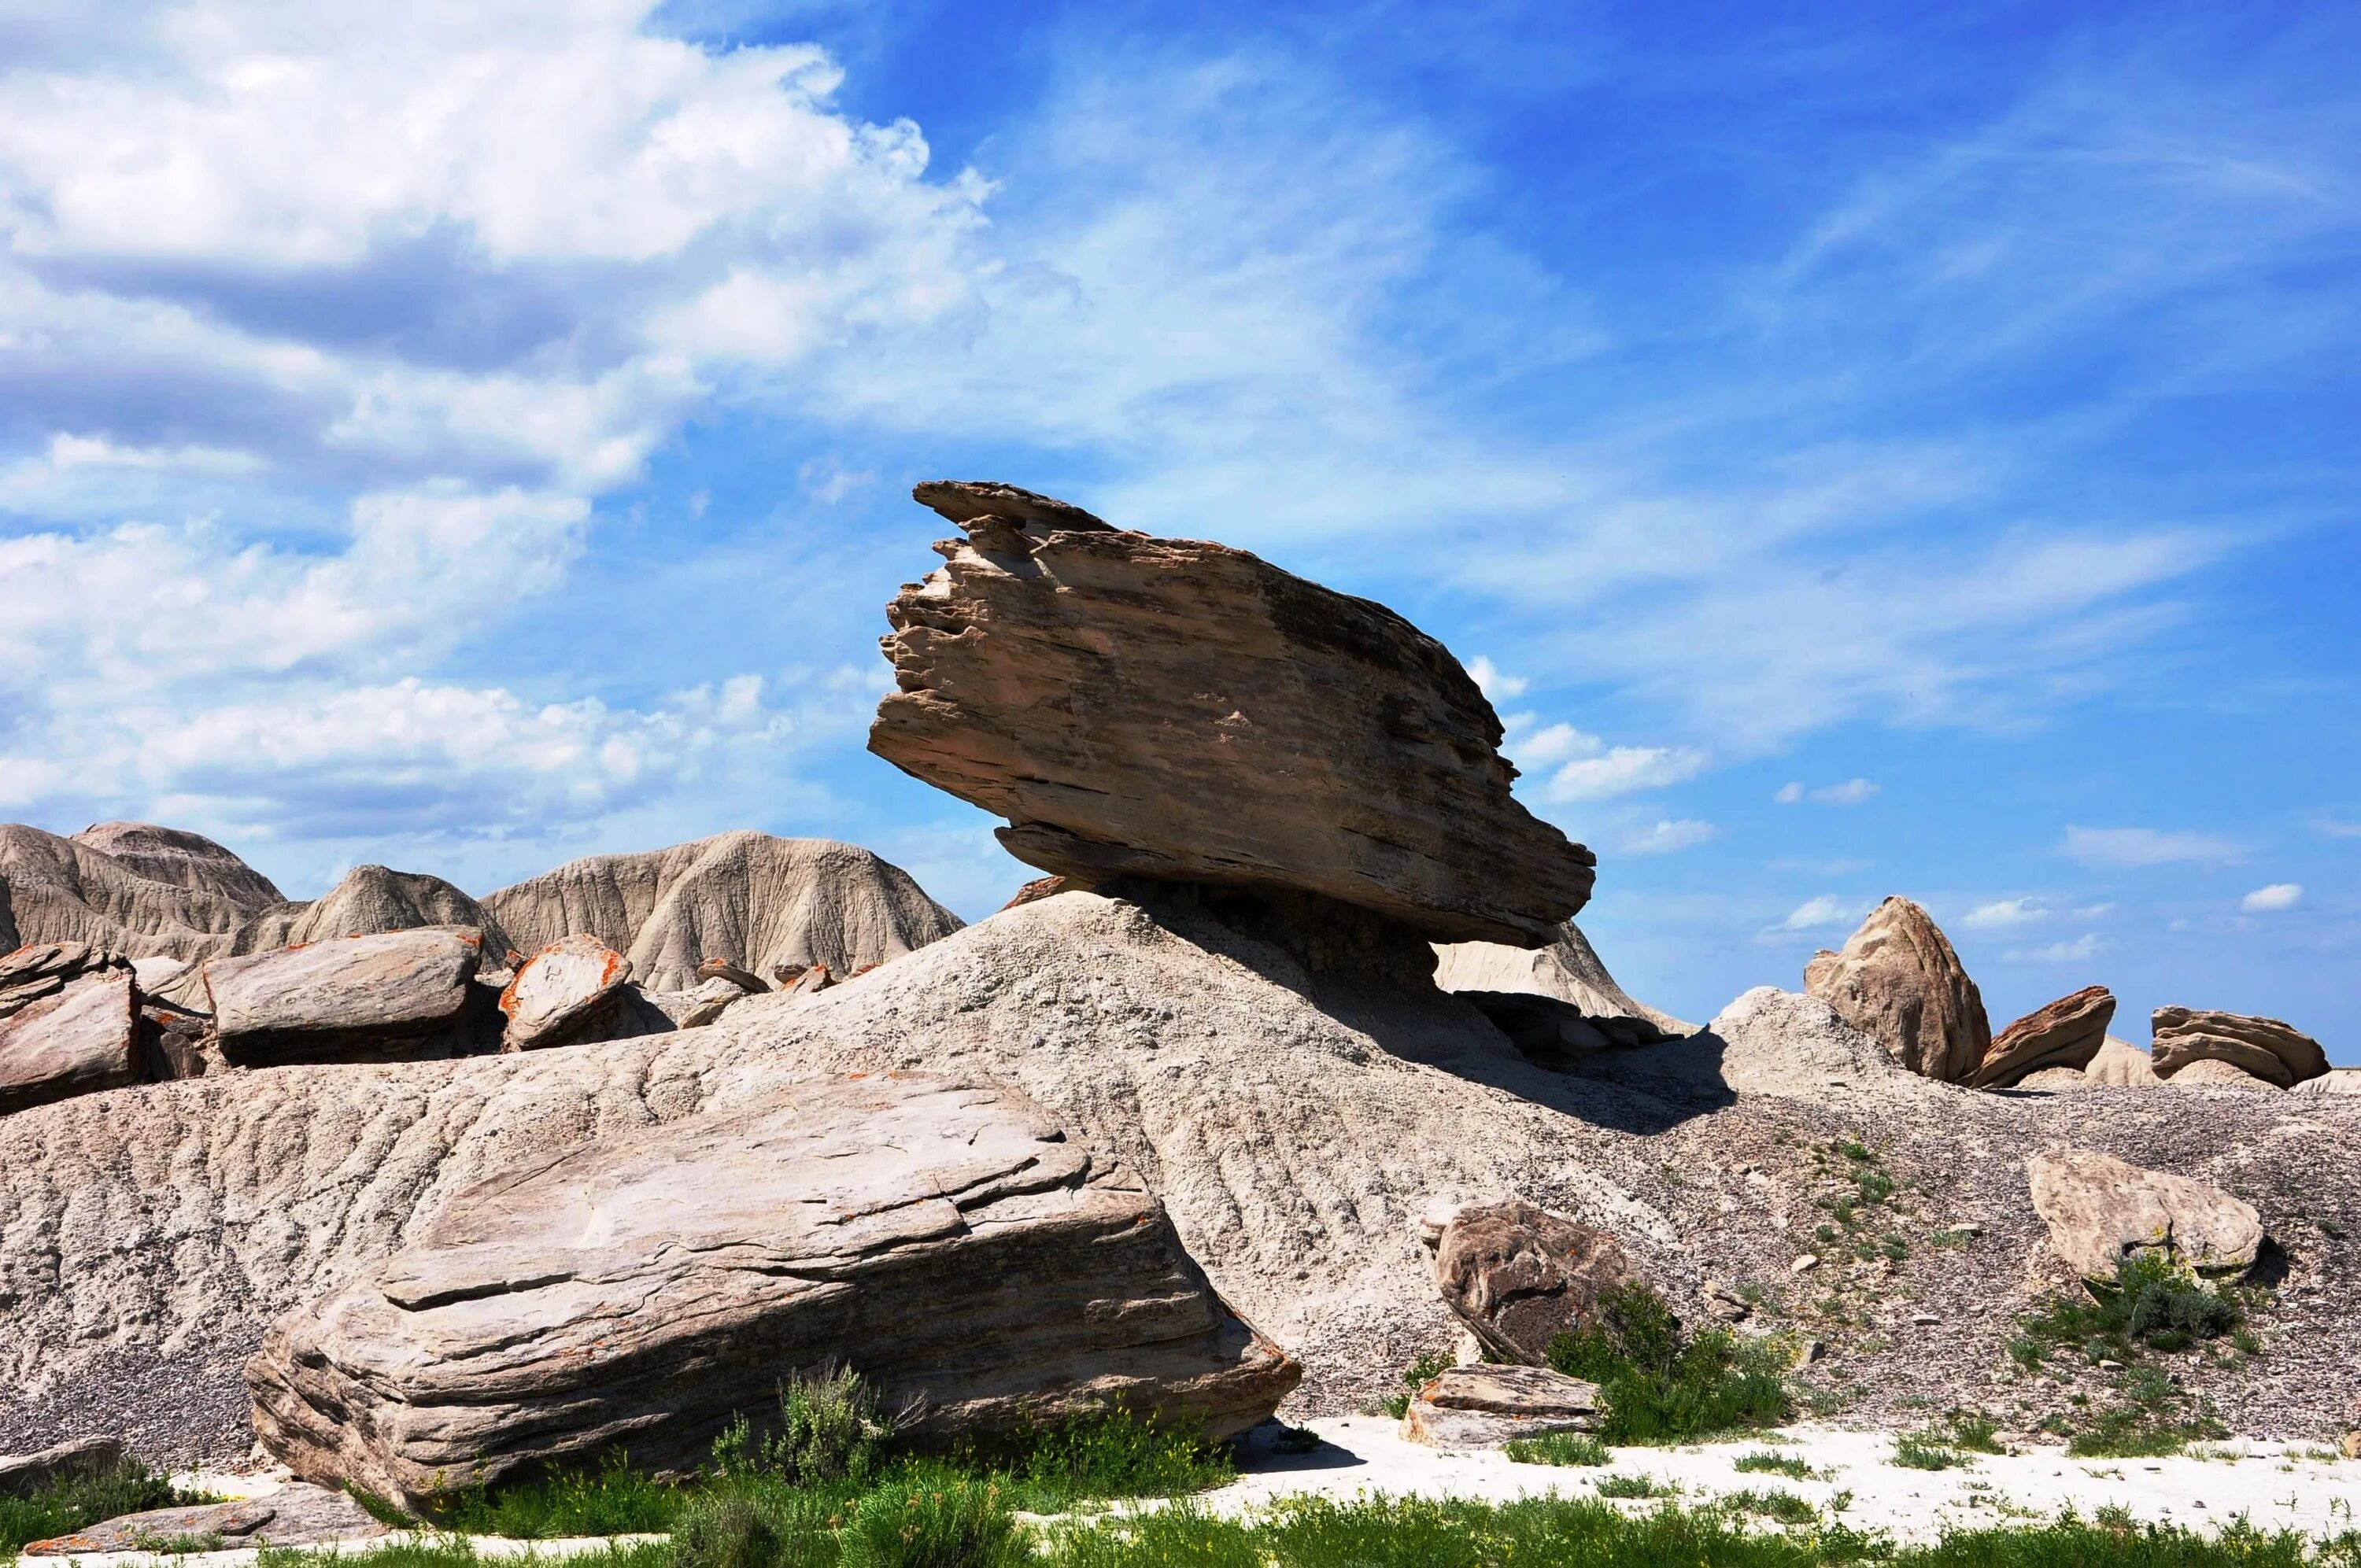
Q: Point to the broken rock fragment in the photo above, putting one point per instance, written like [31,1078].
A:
[564,994]
[69,1023]
[1485,1407]
[394,996]
[1518,1276]
[2102,1210]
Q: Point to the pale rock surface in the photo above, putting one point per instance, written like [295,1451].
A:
[1782,1041]
[1518,1276]
[1487,1407]
[2055,1080]
[65,889]
[2065,1033]
[2210,1072]
[2102,1210]
[69,1020]
[2336,1080]
[2264,1047]
[291,1515]
[943,1236]
[369,901]
[747,899]
[708,1002]
[1569,969]
[21,1474]
[374,998]
[1184,712]
[1898,982]
[2123,1065]
[564,994]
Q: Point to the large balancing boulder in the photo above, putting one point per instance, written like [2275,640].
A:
[2276,1053]
[389,997]
[943,1237]
[1898,982]
[1181,710]
[2065,1033]
[69,1016]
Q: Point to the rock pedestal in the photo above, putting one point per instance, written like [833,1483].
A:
[941,1237]
[1184,711]
[1898,982]
[2276,1053]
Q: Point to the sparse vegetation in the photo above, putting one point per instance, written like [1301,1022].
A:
[79,1500]
[1766,1463]
[2151,1305]
[1419,1373]
[1916,1450]
[1782,1508]
[1632,1487]
[1661,1386]
[1558,1448]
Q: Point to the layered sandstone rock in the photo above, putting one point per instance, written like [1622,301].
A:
[1486,1406]
[1518,1276]
[369,901]
[564,994]
[1569,969]
[2102,1210]
[747,899]
[68,1022]
[387,997]
[2065,1033]
[945,1238]
[2264,1047]
[1898,982]
[175,895]
[1184,711]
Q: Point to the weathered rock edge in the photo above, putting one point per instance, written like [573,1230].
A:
[941,1236]
[1184,711]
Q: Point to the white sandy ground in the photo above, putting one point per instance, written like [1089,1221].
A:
[2292,1485]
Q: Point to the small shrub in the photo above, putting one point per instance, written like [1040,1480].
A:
[1787,1465]
[1874,1186]
[1632,1487]
[1974,1431]
[1424,1370]
[1558,1448]
[1114,1454]
[1916,1450]
[1859,1153]
[756,1524]
[2151,1304]
[1659,1385]
[933,1521]
[1784,1506]
[828,1430]
[1295,1440]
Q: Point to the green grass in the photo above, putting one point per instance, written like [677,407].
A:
[1786,1464]
[1914,1451]
[1661,1385]
[80,1500]
[2151,1305]
[1558,1448]
[1632,1487]
[606,1499]
[1426,1368]
[1782,1508]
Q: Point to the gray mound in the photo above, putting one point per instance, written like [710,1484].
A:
[372,900]
[169,895]
[751,900]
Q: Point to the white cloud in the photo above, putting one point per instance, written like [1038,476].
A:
[2006,913]
[2094,911]
[2131,847]
[1667,836]
[1624,769]
[2089,944]
[1535,745]
[1492,683]
[2277,897]
[1852,792]
[1824,910]
[1790,793]
[2336,829]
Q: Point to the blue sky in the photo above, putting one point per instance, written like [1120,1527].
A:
[1867,453]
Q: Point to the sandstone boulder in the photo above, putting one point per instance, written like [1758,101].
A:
[705,1004]
[388,997]
[745,979]
[747,899]
[942,1237]
[2122,1065]
[69,1023]
[2065,1032]
[2102,1210]
[564,994]
[2264,1047]
[1485,1407]
[1518,1276]
[1898,982]
[1569,969]
[292,1515]
[1184,712]
[371,900]
[67,890]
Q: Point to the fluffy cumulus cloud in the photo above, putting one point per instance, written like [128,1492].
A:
[323,332]
[2279,895]
[1824,910]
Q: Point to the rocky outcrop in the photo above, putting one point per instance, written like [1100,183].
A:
[2212,1072]
[2264,1047]
[369,901]
[1569,969]
[1780,1042]
[750,900]
[2336,1080]
[1184,711]
[175,895]
[745,979]
[2064,1033]
[392,996]
[944,1238]
[1518,1276]
[68,1022]
[1486,1406]
[565,993]
[1038,888]
[1898,982]
[2102,1211]
[2120,1064]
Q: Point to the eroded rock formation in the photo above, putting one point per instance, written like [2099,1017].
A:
[68,1017]
[1518,1276]
[1898,982]
[1569,969]
[173,894]
[2102,1210]
[2276,1053]
[1184,712]
[369,901]
[386,997]
[2065,1033]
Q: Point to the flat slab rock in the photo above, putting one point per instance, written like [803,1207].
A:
[1184,712]
[2102,1210]
[2267,1048]
[380,997]
[2065,1033]
[941,1236]
[295,1515]
[69,1016]
[1485,1407]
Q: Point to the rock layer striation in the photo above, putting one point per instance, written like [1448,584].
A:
[1898,982]
[2275,1052]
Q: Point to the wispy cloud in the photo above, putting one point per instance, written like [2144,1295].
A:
[1494,684]
[2089,945]
[1852,792]
[2132,847]
[2003,914]
[1824,910]
[1664,837]
[2279,895]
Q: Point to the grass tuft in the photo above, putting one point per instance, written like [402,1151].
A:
[1661,1386]
[1787,1465]
[1558,1448]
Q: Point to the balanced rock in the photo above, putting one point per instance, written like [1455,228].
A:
[1569,969]
[945,1238]
[386,997]
[747,899]
[1485,1407]
[1518,1276]
[1184,711]
[1898,982]
[69,1023]
[2268,1050]
[2120,1064]
[369,901]
[745,979]
[564,994]
[2064,1033]
[2102,1211]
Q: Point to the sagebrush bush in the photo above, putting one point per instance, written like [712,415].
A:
[829,1429]
[1661,1386]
